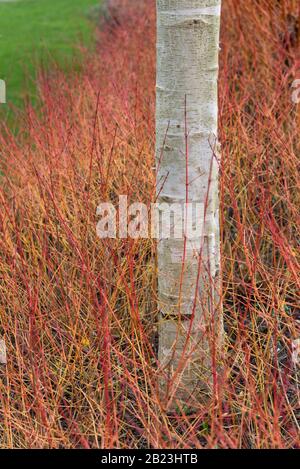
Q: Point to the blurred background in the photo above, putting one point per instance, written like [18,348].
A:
[41,32]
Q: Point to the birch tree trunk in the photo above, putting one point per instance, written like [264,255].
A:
[190,327]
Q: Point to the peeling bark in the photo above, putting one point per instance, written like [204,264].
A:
[187,171]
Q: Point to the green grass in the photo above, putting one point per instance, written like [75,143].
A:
[32,31]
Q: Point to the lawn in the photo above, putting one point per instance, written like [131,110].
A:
[32,31]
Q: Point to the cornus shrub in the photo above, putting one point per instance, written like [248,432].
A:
[79,313]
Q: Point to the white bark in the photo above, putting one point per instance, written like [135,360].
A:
[2,92]
[187,101]
[3,358]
